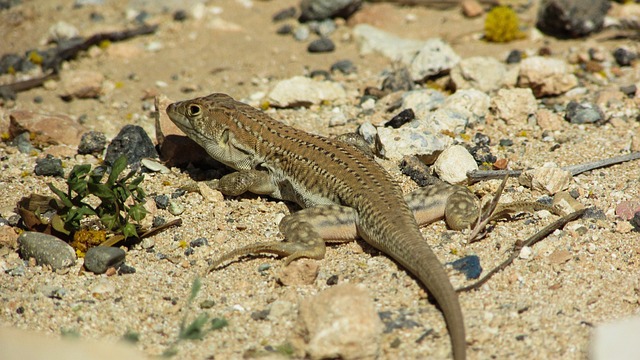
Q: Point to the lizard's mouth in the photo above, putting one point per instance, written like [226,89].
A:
[180,120]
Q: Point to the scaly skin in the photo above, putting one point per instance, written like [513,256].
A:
[346,192]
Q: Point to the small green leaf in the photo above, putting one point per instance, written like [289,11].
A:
[63,197]
[129,230]
[118,166]
[58,224]
[218,323]
[194,331]
[102,191]
[110,221]
[195,289]
[137,212]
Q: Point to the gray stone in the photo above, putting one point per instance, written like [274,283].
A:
[581,113]
[572,18]
[49,166]
[325,9]
[92,142]
[414,138]
[133,142]
[434,57]
[46,250]
[321,45]
[483,73]
[100,258]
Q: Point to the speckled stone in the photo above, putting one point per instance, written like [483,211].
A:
[46,250]
[98,259]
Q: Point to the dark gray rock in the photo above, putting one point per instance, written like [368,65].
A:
[284,14]
[514,57]
[92,142]
[327,9]
[133,142]
[46,250]
[402,118]
[344,66]
[321,45]
[572,18]
[581,113]
[398,80]
[624,56]
[49,166]
[100,258]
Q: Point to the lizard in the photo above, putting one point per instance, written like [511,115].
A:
[344,194]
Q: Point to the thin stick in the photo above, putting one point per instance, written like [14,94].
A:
[481,175]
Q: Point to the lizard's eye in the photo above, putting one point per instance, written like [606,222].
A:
[194,109]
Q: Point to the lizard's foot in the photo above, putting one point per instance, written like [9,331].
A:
[305,232]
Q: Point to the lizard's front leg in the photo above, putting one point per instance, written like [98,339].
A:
[305,233]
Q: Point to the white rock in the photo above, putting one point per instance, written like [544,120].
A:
[61,31]
[454,163]
[464,108]
[422,102]
[434,57]
[424,58]
[303,91]
[514,106]
[483,73]
[368,132]
[549,179]
[617,339]
[413,138]
[525,253]
[546,76]
[330,326]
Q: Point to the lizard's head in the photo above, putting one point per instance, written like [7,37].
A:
[209,122]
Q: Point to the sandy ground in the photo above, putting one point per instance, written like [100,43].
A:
[536,308]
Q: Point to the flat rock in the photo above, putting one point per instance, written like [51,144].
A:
[423,58]
[514,106]
[100,258]
[340,322]
[414,138]
[549,179]
[483,73]
[81,84]
[51,129]
[46,250]
[303,91]
[546,76]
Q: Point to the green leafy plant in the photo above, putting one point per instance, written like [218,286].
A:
[114,210]
[197,328]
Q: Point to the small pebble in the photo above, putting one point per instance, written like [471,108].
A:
[284,14]
[126,269]
[162,201]
[481,139]
[514,57]
[49,166]
[583,113]
[402,118]
[180,15]
[99,258]
[333,280]
[158,221]
[321,45]
[285,29]
[506,142]
[92,142]
[320,74]
[189,251]
[46,250]
[147,243]
[629,90]
[344,66]
[199,242]
[178,193]
[624,56]
[301,33]
[38,99]
[175,208]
